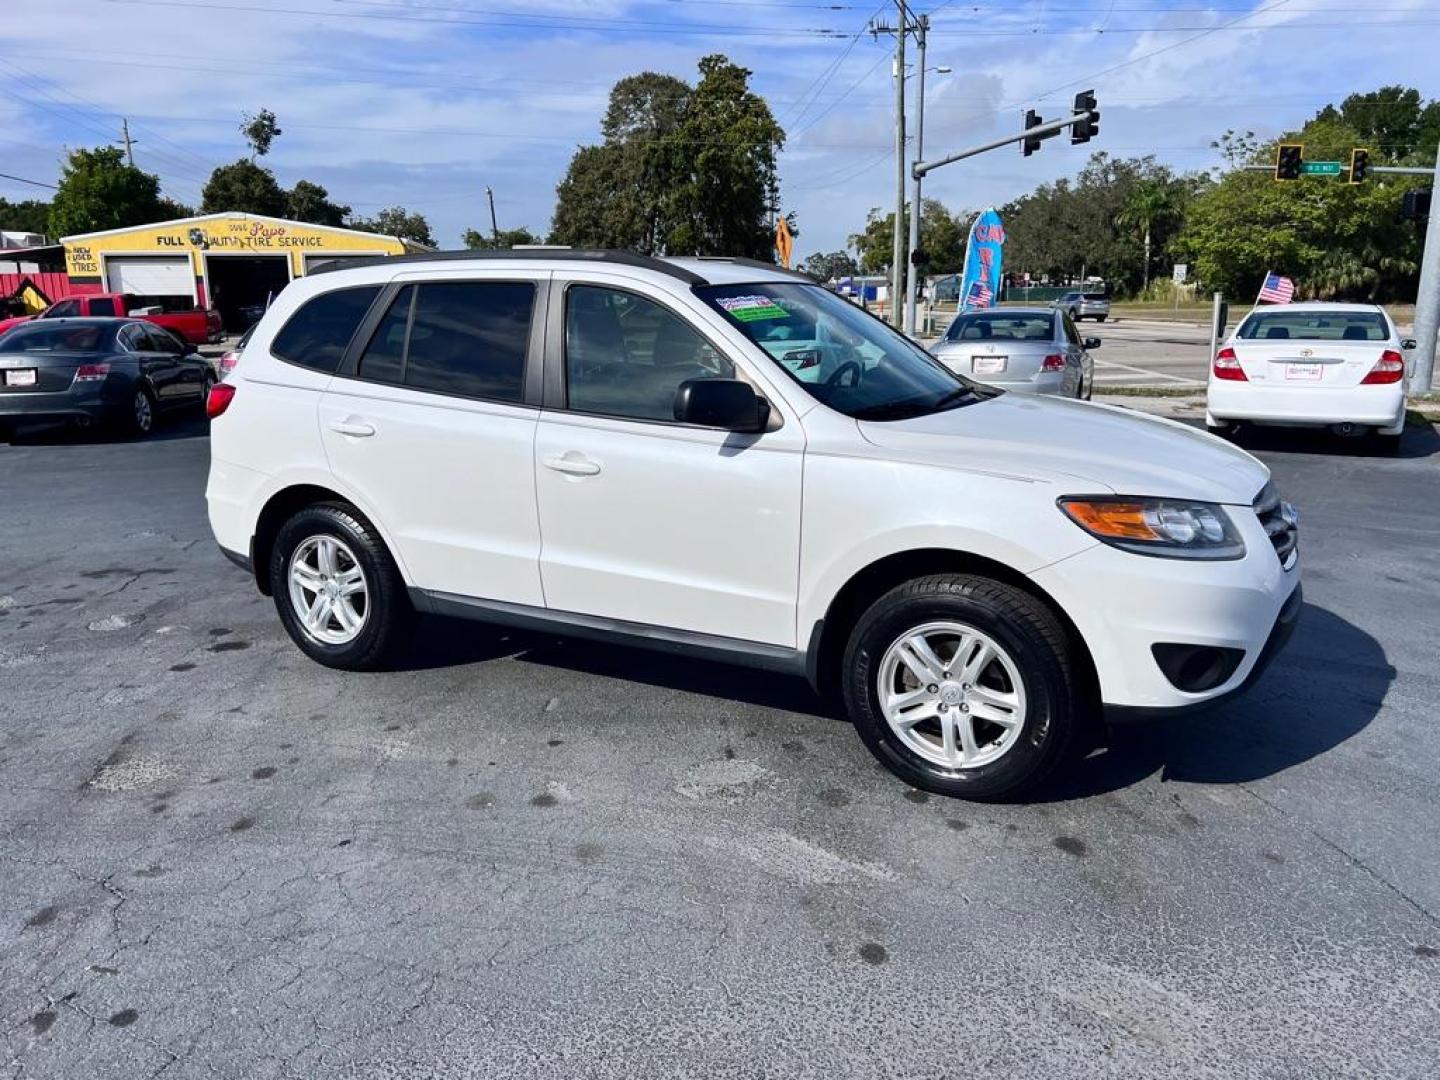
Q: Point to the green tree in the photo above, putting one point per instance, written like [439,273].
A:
[1391,122]
[310,202]
[27,215]
[1070,230]
[1150,203]
[680,169]
[1335,240]
[98,191]
[942,238]
[830,266]
[244,186]
[260,131]
[397,221]
[508,238]
[731,190]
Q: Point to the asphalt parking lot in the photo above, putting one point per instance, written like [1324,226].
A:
[523,857]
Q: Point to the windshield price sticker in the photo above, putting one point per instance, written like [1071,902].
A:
[752,308]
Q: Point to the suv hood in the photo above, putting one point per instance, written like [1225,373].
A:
[1084,447]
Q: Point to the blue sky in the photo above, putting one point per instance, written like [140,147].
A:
[425,102]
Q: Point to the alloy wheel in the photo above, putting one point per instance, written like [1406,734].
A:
[952,694]
[328,590]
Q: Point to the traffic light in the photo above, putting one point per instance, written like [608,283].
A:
[1416,204]
[1359,165]
[1287,161]
[1032,142]
[920,257]
[1084,130]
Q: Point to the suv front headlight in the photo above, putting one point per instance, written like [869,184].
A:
[1168,528]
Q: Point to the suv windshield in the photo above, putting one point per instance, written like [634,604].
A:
[1315,325]
[842,356]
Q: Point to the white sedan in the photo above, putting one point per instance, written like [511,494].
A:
[1340,366]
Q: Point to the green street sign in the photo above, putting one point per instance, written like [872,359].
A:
[1320,168]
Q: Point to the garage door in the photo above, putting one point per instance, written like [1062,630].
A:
[150,275]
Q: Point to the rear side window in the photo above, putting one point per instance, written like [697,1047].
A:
[468,338]
[317,335]
[102,305]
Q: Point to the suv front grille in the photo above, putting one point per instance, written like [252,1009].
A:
[1279,522]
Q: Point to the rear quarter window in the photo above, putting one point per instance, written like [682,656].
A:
[317,335]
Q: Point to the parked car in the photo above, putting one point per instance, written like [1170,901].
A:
[202,326]
[123,372]
[605,445]
[1079,305]
[1029,350]
[1340,366]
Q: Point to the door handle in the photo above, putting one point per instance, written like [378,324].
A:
[572,464]
[351,426]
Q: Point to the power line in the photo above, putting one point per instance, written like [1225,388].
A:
[22,180]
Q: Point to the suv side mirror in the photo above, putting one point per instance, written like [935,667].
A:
[1092,343]
[721,403]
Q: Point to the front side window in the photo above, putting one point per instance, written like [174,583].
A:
[842,356]
[1311,324]
[1003,326]
[627,356]
[318,334]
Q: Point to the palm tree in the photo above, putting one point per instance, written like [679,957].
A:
[1150,203]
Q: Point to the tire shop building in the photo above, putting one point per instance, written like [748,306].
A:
[234,262]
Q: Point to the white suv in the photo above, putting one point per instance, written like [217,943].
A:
[716,457]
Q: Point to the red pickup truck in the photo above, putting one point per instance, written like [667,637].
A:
[199,327]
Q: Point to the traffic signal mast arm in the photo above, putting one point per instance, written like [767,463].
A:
[1042,131]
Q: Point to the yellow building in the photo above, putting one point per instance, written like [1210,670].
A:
[234,262]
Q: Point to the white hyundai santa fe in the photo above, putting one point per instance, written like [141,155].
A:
[608,445]
[1316,364]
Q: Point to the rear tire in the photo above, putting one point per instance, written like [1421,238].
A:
[338,591]
[141,419]
[1225,429]
[1013,719]
[205,386]
[1101,318]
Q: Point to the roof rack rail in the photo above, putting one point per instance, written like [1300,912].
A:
[622,258]
[758,264]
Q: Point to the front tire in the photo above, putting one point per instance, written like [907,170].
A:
[964,686]
[338,591]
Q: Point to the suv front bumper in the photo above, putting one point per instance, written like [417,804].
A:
[1124,604]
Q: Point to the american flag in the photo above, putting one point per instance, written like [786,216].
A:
[1276,290]
[979,295]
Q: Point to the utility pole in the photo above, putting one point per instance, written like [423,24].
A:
[1427,301]
[922,26]
[128,142]
[897,253]
[494,228]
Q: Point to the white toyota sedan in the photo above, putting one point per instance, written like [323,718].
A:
[1340,366]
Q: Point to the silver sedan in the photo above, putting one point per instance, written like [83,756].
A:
[1029,350]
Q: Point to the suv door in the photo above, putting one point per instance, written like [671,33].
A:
[430,421]
[644,519]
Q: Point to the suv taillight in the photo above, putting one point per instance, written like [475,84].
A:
[91,372]
[1053,362]
[221,394]
[1390,368]
[1227,366]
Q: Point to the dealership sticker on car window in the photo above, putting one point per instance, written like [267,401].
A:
[752,308]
